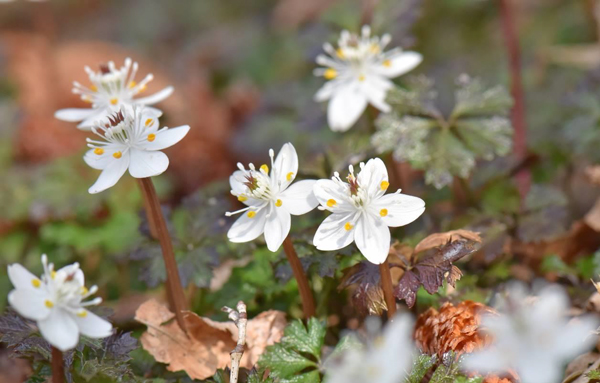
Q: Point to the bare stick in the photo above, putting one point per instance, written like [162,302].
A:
[240,318]
[386,286]
[308,303]
[157,222]
[511,41]
[58,367]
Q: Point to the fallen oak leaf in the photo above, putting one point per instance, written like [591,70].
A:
[433,268]
[440,239]
[207,345]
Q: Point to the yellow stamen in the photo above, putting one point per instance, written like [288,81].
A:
[264,168]
[148,122]
[331,203]
[53,274]
[94,88]
[82,314]
[114,101]
[49,304]
[340,53]
[84,290]
[383,212]
[36,283]
[374,48]
[251,214]
[330,74]
[242,198]
[278,203]
[143,88]
[151,137]
[387,63]
[361,77]
[289,176]
[99,151]
[132,84]
[348,226]
[384,185]
[87,99]
[117,155]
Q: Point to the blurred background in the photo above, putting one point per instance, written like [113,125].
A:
[242,72]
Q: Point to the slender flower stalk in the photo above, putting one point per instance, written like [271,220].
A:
[308,303]
[58,366]
[175,291]
[271,197]
[388,289]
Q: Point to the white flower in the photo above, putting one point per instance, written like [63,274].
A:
[111,89]
[361,211]
[270,198]
[533,337]
[131,139]
[386,360]
[359,72]
[55,302]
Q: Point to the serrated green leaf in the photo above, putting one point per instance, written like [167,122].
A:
[311,341]
[486,137]
[309,377]
[449,158]
[421,367]
[473,99]
[283,362]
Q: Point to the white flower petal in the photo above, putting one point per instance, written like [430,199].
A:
[487,360]
[375,89]
[332,235]
[92,325]
[326,190]
[93,118]
[345,107]
[166,138]
[111,174]
[372,238]
[74,114]
[21,277]
[75,271]
[156,97]
[29,303]
[246,229]
[285,166]
[100,162]
[372,175]
[400,64]
[147,163]
[277,227]
[238,188]
[60,330]
[401,209]
[299,198]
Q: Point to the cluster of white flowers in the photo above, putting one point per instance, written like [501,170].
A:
[361,211]
[56,302]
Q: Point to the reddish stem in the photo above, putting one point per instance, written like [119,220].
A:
[58,367]
[387,287]
[308,303]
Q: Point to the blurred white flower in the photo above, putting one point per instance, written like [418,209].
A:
[358,73]
[386,359]
[361,212]
[270,198]
[55,302]
[130,139]
[111,89]
[533,336]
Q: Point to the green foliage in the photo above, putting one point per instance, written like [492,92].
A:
[417,132]
[297,357]
[421,366]
[445,371]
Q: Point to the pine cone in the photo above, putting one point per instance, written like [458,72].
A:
[452,328]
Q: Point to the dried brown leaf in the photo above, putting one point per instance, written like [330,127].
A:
[207,345]
[440,239]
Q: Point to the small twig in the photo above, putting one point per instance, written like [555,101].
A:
[58,367]
[308,303]
[240,318]
[387,287]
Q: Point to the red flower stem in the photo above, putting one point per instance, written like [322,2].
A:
[388,290]
[158,227]
[308,303]
[58,367]
[511,42]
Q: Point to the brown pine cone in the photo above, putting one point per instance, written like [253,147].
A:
[452,328]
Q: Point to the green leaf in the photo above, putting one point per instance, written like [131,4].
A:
[297,356]
[421,367]
[448,158]
[473,99]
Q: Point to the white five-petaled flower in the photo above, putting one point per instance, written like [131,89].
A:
[359,73]
[385,359]
[111,88]
[55,302]
[533,336]
[361,212]
[270,198]
[130,139]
